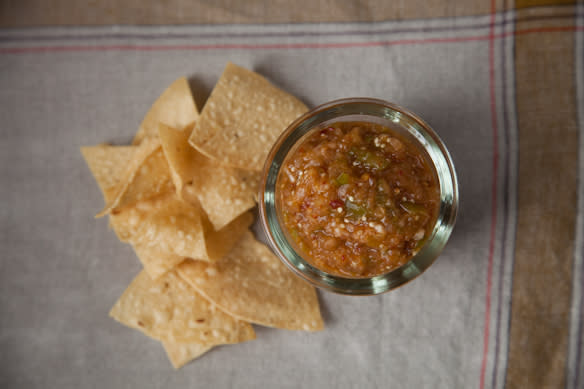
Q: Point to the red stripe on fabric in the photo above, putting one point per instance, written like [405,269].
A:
[37,49]
[493,194]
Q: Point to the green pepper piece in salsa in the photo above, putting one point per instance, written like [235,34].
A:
[342,179]
[412,208]
[354,210]
[370,159]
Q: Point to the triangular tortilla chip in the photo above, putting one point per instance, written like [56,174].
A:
[157,261]
[174,107]
[153,179]
[183,160]
[165,231]
[126,222]
[136,176]
[242,119]
[182,353]
[174,228]
[108,165]
[169,310]
[220,242]
[251,284]
[224,193]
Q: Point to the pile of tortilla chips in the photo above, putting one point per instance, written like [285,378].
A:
[181,195]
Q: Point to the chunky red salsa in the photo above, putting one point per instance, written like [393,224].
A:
[358,199]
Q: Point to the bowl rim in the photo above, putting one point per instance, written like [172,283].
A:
[448,195]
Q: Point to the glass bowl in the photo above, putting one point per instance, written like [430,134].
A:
[360,110]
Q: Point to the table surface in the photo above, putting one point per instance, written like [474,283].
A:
[502,82]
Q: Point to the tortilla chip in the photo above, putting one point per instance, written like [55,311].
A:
[174,228]
[108,165]
[242,119]
[182,353]
[183,160]
[127,221]
[251,284]
[169,310]
[156,262]
[220,242]
[135,174]
[224,193]
[223,196]
[175,107]
[153,179]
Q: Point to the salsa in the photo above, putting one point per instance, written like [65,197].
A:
[357,198]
